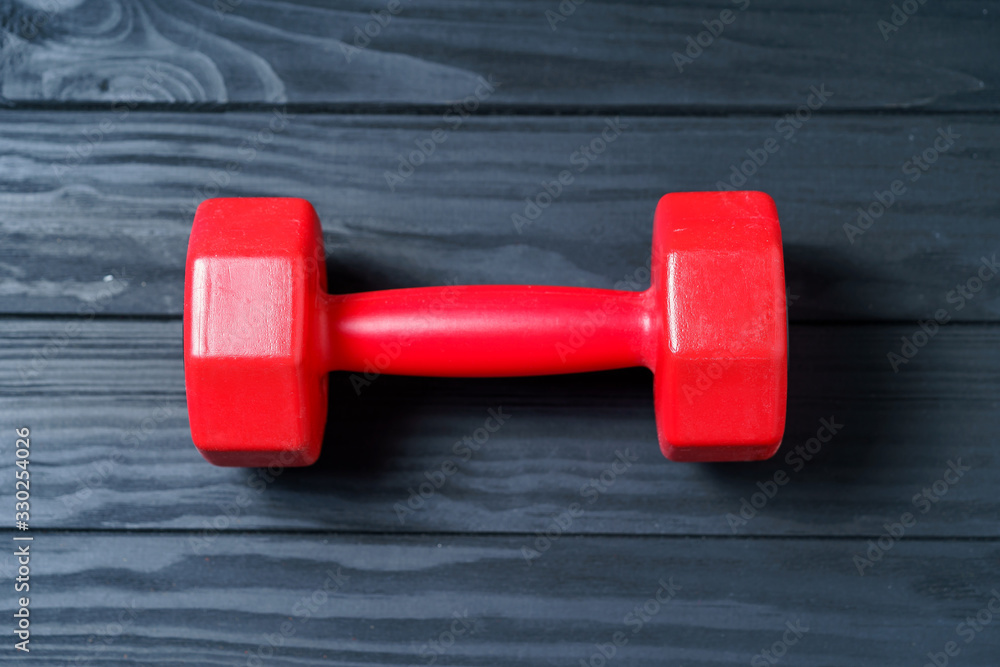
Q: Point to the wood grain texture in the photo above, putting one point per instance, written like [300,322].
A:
[150,600]
[116,452]
[120,116]
[618,54]
[75,210]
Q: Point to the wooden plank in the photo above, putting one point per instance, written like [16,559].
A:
[74,210]
[604,54]
[113,449]
[123,598]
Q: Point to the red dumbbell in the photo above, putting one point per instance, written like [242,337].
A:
[261,333]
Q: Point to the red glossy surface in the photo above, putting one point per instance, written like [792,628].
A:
[261,333]
[488,331]
[720,377]
[256,389]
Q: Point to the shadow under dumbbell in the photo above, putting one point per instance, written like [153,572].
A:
[829,373]
[383,441]
[838,380]
[367,430]
[387,433]
[384,431]
[847,482]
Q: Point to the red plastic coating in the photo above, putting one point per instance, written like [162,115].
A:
[261,333]
[488,331]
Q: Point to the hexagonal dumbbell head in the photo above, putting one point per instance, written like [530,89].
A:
[720,375]
[257,395]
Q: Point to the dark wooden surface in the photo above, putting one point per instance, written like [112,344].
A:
[145,554]
[562,432]
[396,595]
[128,205]
[605,54]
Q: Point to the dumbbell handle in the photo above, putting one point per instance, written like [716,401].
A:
[487,330]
